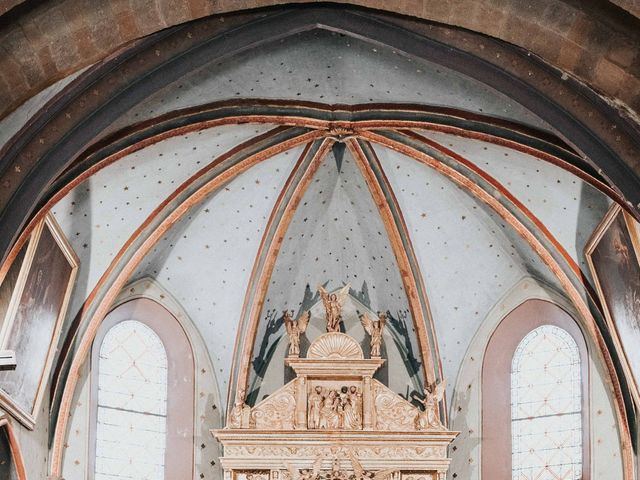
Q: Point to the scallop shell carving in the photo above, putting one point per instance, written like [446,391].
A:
[335,346]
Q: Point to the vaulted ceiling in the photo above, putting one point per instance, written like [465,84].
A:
[466,256]
[240,176]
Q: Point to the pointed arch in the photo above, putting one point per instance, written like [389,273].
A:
[497,383]
[477,182]
[150,353]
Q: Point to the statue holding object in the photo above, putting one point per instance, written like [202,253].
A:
[295,328]
[374,328]
[333,303]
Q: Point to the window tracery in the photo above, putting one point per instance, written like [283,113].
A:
[546,406]
[143,380]
[535,397]
[132,404]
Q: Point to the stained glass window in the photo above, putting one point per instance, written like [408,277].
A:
[546,407]
[132,404]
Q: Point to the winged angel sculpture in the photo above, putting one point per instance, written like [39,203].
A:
[333,303]
[429,418]
[306,474]
[295,328]
[359,473]
[374,328]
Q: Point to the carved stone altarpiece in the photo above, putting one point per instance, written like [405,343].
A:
[334,421]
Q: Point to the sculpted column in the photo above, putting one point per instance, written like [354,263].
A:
[367,404]
[301,403]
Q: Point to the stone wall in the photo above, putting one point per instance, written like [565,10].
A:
[45,41]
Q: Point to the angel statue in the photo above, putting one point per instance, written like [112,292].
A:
[306,474]
[295,328]
[359,473]
[240,413]
[333,303]
[429,418]
[374,328]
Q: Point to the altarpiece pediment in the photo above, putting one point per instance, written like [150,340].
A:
[334,421]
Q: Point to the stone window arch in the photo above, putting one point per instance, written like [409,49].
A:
[142,395]
[530,427]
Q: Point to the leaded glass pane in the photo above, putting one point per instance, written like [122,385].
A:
[546,407]
[132,404]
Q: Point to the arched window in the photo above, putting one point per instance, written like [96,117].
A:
[142,386]
[132,403]
[535,380]
[546,406]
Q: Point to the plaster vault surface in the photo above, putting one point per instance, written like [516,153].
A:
[468,257]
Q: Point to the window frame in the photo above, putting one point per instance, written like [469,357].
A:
[179,447]
[496,383]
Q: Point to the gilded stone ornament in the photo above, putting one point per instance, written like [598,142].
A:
[334,421]
[276,412]
[393,413]
[306,473]
[239,417]
[359,473]
[295,328]
[374,328]
[429,418]
[333,303]
[335,346]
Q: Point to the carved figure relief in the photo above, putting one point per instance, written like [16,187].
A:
[333,303]
[295,328]
[337,408]
[336,473]
[316,401]
[374,328]
[429,418]
[353,414]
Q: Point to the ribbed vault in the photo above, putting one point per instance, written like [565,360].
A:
[374,198]
[238,166]
[336,221]
[98,98]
